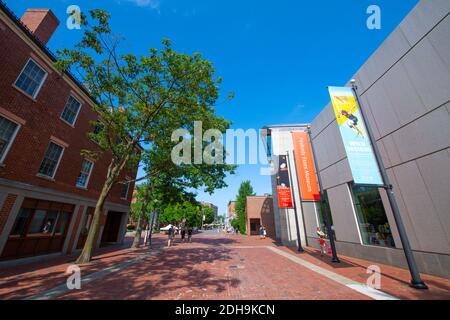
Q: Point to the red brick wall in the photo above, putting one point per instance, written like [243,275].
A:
[42,22]
[6,209]
[43,121]
[261,207]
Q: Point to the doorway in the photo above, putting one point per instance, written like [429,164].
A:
[112,227]
[255,224]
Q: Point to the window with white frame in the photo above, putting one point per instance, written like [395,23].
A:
[124,191]
[71,110]
[85,173]
[31,78]
[8,130]
[51,160]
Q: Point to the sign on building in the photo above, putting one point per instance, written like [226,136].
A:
[307,179]
[353,131]
[283,184]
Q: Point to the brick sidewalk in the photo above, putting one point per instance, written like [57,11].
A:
[213,267]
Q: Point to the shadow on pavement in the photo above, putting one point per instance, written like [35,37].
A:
[170,275]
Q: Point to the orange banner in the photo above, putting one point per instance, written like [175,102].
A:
[284,198]
[309,188]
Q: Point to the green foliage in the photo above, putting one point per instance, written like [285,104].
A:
[176,213]
[245,190]
[235,224]
[136,95]
[209,215]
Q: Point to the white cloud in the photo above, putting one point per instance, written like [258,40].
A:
[154,4]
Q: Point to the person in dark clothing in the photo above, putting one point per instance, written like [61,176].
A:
[189,232]
[183,234]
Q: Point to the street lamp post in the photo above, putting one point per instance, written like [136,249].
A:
[416,281]
[299,240]
[324,206]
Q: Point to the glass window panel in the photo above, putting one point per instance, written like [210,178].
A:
[31,78]
[50,222]
[322,208]
[373,223]
[83,177]
[7,130]
[124,191]
[50,161]
[62,222]
[37,223]
[71,110]
[20,223]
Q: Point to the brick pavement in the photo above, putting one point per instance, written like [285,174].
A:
[213,267]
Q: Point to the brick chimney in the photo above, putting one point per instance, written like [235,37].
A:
[42,22]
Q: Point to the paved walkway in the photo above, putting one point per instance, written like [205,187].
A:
[214,266]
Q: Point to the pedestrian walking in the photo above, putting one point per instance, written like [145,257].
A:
[323,246]
[261,232]
[183,234]
[264,232]
[171,234]
[146,234]
[189,232]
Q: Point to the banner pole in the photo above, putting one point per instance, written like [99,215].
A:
[416,281]
[322,200]
[299,240]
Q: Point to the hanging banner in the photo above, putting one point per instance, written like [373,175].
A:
[307,179]
[283,184]
[357,145]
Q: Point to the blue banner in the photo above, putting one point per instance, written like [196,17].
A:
[353,130]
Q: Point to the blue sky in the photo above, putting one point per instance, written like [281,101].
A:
[277,56]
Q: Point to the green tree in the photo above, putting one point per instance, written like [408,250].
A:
[235,224]
[176,213]
[132,95]
[209,214]
[245,190]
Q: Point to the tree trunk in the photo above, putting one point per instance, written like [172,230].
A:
[89,245]
[144,208]
[112,176]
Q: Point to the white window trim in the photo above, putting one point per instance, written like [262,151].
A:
[40,85]
[76,116]
[13,137]
[89,175]
[128,190]
[57,164]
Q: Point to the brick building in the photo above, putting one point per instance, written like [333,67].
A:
[212,206]
[48,190]
[231,210]
[259,212]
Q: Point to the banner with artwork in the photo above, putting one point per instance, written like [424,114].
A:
[353,131]
[283,184]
